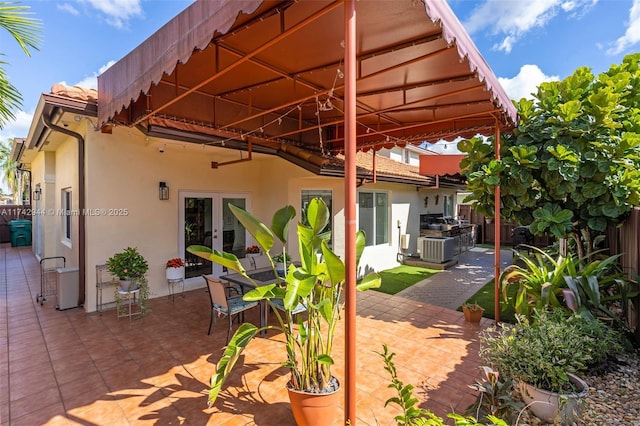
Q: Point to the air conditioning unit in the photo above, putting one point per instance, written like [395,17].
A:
[437,250]
[68,290]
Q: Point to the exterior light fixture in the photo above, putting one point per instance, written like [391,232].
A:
[36,193]
[163,191]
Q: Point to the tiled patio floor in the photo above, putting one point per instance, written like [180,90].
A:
[69,367]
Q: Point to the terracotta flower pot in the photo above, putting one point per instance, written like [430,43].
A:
[314,409]
[472,315]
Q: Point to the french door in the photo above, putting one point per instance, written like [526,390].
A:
[205,219]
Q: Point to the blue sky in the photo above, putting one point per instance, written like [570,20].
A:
[524,41]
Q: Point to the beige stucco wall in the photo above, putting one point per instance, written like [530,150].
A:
[66,177]
[123,174]
[122,177]
[43,173]
[55,171]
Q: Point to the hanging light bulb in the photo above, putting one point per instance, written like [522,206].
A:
[340,73]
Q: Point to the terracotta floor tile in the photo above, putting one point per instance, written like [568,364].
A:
[23,384]
[42,415]
[100,412]
[37,360]
[156,370]
[84,391]
[39,397]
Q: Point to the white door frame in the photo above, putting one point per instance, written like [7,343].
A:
[216,221]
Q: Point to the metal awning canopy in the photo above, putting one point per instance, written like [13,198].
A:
[325,76]
[272,72]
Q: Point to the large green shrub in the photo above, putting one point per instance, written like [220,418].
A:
[571,167]
[542,350]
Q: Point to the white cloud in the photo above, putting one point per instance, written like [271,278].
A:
[118,12]
[19,128]
[526,82]
[632,36]
[66,7]
[91,82]
[514,19]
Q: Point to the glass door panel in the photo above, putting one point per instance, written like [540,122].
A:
[198,230]
[233,233]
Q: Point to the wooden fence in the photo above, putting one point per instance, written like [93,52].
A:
[625,240]
[486,231]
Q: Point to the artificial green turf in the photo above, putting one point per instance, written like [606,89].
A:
[485,298]
[401,277]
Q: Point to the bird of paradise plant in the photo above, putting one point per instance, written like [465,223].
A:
[316,284]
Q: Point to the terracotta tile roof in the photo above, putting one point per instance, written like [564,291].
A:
[75,92]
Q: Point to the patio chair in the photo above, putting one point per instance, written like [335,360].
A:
[247,263]
[261,262]
[223,304]
[297,310]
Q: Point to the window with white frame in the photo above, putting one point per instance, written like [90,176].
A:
[66,216]
[448,206]
[373,215]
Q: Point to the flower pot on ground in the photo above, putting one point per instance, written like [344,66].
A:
[174,269]
[130,266]
[472,312]
[314,409]
[549,406]
[316,284]
[545,350]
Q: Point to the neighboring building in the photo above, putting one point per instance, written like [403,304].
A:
[171,117]
[409,154]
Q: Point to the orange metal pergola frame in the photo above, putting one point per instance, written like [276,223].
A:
[350,213]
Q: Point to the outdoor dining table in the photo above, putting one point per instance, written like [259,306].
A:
[260,276]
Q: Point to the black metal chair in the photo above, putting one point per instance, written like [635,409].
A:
[223,304]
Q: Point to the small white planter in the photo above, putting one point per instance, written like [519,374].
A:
[128,285]
[548,406]
[175,273]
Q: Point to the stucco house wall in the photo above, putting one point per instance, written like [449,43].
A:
[123,172]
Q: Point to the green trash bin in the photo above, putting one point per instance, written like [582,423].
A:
[20,232]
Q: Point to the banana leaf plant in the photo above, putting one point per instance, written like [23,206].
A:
[316,284]
[540,280]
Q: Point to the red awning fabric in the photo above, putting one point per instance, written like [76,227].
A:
[174,43]
[454,33]
[272,70]
[441,165]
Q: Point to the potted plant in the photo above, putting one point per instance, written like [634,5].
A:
[543,354]
[281,260]
[130,267]
[174,269]
[317,284]
[252,250]
[472,312]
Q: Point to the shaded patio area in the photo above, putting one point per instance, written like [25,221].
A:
[69,367]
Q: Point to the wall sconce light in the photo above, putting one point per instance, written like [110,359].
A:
[164,191]
[36,193]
